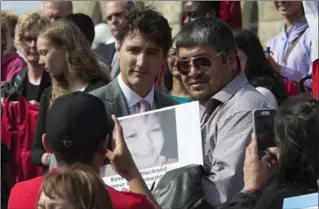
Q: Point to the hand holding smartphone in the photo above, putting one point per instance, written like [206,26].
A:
[263,123]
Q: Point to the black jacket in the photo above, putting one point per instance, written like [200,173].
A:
[106,51]
[20,81]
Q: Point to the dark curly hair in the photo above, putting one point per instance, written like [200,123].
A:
[150,23]
[296,128]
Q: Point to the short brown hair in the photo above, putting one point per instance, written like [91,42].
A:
[79,185]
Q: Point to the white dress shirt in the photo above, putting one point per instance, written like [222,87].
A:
[132,98]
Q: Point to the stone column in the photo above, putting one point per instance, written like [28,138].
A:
[262,18]
[171,10]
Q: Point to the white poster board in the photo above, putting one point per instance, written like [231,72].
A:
[160,141]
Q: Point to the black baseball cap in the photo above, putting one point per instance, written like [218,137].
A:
[76,124]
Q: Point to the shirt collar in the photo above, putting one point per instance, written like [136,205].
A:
[231,88]
[295,28]
[131,97]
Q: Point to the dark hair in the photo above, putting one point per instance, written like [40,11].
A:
[149,22]
[168,79]
[296,128]
[207,31]
[168,76]
[258,70]
[71,158]
[130,5]
[209,6]
[85,23]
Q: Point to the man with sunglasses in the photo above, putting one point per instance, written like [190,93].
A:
[208,62]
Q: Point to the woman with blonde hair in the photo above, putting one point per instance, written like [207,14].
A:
[28,79]
[73,66]
[77,187]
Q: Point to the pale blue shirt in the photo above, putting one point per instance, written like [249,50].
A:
[299,62]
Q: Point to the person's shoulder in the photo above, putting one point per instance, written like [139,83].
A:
[28,183]
[96,84]
[106,91]
[24,194]
[248,98]
[128,200]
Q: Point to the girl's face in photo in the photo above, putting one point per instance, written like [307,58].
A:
[144,138]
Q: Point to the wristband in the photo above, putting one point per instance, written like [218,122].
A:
[253,190]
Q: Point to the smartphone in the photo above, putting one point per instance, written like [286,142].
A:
[263,120]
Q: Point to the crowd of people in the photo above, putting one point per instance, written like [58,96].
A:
[79,92]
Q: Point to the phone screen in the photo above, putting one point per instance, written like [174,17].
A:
[264,128]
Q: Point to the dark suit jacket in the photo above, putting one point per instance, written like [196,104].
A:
[106,51]
[115,102]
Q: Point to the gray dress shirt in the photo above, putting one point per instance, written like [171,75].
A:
[226,127]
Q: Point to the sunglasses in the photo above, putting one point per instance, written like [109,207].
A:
[201,63]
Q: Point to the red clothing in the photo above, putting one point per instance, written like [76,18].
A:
[24,195]
[11,65]
[18,121]
[230,12]
[315,79]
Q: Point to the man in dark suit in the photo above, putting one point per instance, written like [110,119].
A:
[114,13]
[144,39]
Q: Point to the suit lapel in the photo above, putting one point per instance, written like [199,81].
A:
[118,103]
[115,68]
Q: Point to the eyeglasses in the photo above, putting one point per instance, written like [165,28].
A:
[28,40]
[201,63]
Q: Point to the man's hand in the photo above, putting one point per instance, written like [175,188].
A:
[121,158]
[255,170]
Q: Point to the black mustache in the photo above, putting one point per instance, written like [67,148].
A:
[198,79]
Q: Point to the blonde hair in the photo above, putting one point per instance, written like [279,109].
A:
[5,34]
[12,20]
[81,61]
[79,185]
[25,22]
